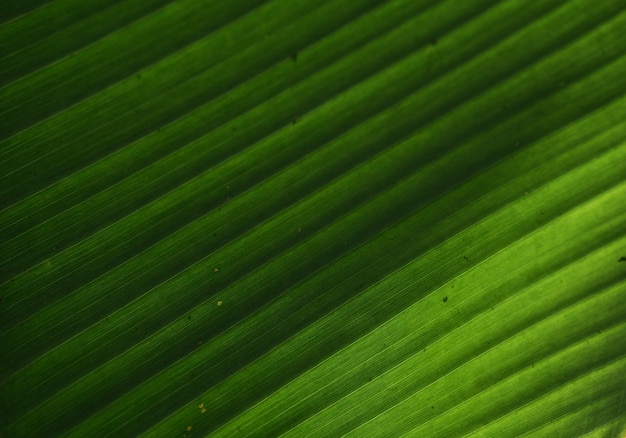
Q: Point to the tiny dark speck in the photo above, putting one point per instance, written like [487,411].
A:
[294,57]
[189,317]
[445,299]
[433,41]
[622,259]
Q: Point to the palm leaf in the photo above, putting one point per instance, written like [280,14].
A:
[266,218]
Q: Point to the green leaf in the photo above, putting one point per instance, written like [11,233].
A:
[313,218]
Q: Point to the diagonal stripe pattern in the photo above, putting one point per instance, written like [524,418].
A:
[313,219]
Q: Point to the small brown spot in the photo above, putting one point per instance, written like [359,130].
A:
[189,428]
[201,405]
[219,303]
[203,411]
[216,270]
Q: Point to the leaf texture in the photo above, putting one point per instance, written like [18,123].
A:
[295,218]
